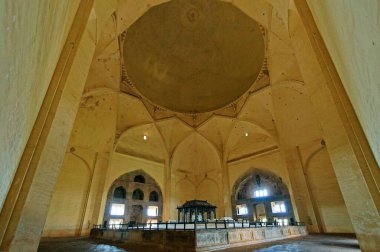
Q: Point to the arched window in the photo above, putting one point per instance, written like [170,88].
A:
[153,196]
[119,193]
[138,195]
[139,179]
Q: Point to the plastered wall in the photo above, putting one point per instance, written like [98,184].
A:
[121,164]
[325,189]
[272,162]
[67,204]
[83,170]
[33,33]
[195,167]
[97,159]
[321,177]
[351,32]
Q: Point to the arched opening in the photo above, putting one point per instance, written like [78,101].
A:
[119,193]
[153,196]
[136,214]
[139,179]
[138,195]
[125,200]
[196,165]
[262,196]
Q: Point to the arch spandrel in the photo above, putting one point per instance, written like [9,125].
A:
[132,142]
[173,132]
[131,112]
[295,114]
[258,109]
[194,160]
[247,138]
[217,130]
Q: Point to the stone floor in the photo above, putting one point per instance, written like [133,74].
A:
[78,245]
[310,243]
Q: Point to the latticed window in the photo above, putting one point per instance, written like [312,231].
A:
[261,193]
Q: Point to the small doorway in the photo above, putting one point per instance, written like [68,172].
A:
[137,214]
[260,213]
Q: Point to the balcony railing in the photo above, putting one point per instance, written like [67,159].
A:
[218,224]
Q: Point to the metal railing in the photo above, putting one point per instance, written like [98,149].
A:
[217,224]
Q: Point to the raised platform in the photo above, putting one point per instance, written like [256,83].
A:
[200,239]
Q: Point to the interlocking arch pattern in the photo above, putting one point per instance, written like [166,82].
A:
[125,191]
[119,193]
[139,179]
[244,195]
[153,196]
[138,195]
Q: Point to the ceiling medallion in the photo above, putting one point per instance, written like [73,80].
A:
[190,59]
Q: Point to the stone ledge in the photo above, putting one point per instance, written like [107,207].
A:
[201,240]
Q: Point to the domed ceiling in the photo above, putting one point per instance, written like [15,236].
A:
[193,56]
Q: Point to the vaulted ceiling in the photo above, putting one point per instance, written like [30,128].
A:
[211,71]
[189,56]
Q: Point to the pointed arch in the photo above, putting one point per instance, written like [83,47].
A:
[119,193]
[138,194]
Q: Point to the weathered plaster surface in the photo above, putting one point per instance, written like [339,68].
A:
[351,31]
[187,161]
[80,172]
[357,184]
[32,37]
[324,188]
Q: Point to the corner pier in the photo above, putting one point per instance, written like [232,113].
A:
[199,239]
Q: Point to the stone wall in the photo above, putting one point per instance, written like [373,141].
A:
[201,240]
[208,240]
[169,239]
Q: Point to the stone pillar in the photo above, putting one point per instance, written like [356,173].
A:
[93,200]
[353,161]
[167,191]
[252,211]
[101,168]
[226,193]
[306,208]
[268,211]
